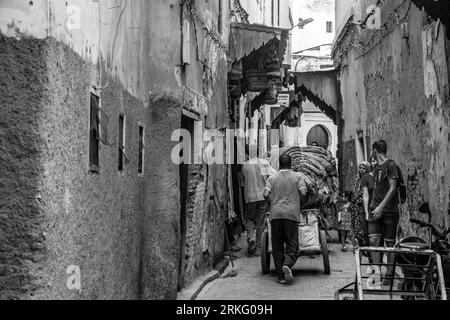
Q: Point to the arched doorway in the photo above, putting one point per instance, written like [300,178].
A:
[318,135]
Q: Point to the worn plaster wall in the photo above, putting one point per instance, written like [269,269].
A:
[22,83]
[123,231]
[205,84]
[161,241]
[206,214]
[341,11]
[117,33]
[73,218]
[395,87]
[93,220]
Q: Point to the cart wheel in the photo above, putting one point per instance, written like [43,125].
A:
[265,255]
[325,253]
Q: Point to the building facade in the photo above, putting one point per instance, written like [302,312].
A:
[271,22]
[311,54]
[93,205]
[315,127]
[319,32]
[272,13]
[393,60]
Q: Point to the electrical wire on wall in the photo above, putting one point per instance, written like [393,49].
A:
[101,86]
[385,31]
[110,67]
[192,11]
[372,13]
[239,11]
[363,25]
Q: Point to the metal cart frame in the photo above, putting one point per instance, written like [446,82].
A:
[431,277]
[266,245]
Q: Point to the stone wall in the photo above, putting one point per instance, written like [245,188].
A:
[395,87]
[73,217]
[207,194]
[22,83]
[161,204]
[122,230]
[206,214]
[93,220]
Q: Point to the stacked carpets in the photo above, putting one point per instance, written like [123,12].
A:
[318,167]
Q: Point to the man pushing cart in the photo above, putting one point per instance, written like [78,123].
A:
[283,193]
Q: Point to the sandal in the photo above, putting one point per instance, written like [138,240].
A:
[289,278]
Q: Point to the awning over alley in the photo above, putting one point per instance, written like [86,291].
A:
[257,53]
[322,89]
[246,38]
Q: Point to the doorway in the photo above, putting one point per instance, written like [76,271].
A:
[185,168]
[318,136]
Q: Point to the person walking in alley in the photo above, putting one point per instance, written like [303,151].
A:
[360,205]
[344,219]
[254,175]
[384,213]
[283,193]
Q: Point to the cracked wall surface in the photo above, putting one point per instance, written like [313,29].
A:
[395,87]
[22,83]
[73,217]
[122,230]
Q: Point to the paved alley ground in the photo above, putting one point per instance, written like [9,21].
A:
[310,281]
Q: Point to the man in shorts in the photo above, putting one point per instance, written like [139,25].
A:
[384,212]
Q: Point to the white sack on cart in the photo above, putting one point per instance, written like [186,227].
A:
[308,233]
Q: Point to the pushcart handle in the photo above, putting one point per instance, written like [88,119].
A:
[426,225]
[420,223]
[446,233]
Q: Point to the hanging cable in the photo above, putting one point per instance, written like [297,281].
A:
[192,11]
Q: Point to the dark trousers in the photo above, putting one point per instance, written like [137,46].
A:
[284,244]
[254,221]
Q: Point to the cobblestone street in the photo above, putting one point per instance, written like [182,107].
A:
[310,281]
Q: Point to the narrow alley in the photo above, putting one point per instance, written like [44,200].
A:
[143,140]
[310,281]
